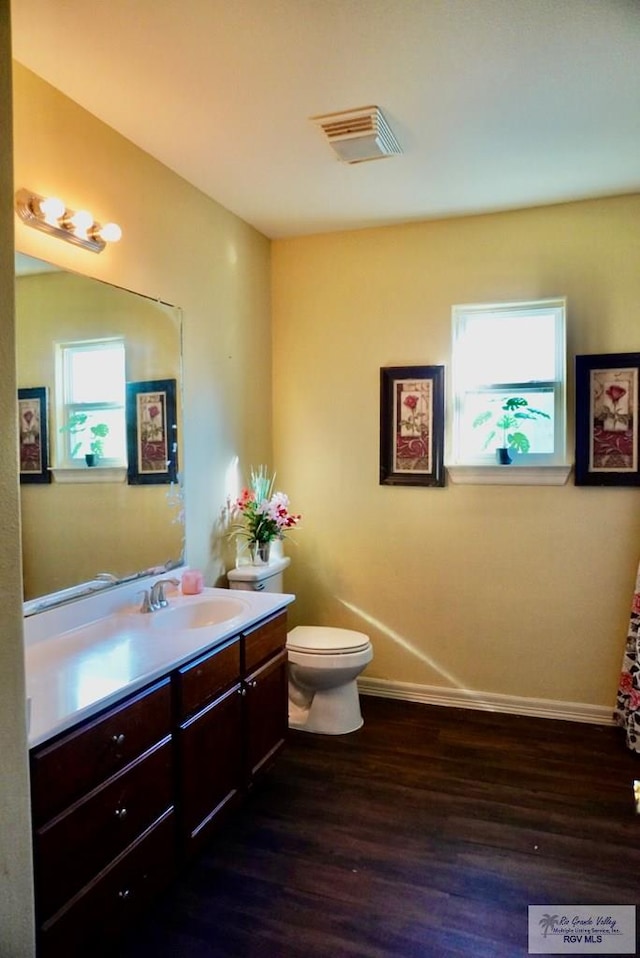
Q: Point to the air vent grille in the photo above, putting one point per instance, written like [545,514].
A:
[359,135]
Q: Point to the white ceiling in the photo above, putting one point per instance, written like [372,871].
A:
[497,104]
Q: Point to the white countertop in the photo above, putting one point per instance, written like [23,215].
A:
[89,654]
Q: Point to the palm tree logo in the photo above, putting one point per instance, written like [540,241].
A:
[548,922]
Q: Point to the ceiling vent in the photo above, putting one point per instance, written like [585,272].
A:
[359,135]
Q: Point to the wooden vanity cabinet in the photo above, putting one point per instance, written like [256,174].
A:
[104,821]
[209,740]
[118,800]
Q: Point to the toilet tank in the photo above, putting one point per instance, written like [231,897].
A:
[259,578]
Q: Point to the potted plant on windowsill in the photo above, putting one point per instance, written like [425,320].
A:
[507,420]
[77,425]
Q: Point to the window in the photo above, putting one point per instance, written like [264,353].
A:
[509,383]
[91,402]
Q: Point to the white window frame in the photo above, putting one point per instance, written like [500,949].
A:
[462,315]
[65,406]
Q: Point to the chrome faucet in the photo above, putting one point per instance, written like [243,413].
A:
[157,598]
[154,598]
[146,604]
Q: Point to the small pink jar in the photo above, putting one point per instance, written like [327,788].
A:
[192,582]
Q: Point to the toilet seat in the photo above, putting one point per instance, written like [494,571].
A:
[321,640]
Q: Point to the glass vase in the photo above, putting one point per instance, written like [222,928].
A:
[260,552]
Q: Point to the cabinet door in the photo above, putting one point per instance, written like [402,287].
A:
[266,713]
[210,766]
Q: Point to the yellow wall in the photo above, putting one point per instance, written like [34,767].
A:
[523,591]
[16,883]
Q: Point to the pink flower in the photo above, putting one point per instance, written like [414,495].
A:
[615,393]
[154,411]
[28,416]
[626,682]
[245,498]
[411,402]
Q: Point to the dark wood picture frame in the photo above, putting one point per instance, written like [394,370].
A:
[607,447]
[152,440]
[33,432]
[412,426]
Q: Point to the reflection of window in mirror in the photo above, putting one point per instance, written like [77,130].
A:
[90,400]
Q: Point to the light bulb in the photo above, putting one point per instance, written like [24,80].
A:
[52,209]
[81,221]
[110,232]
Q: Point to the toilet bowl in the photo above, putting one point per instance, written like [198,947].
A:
[324,662]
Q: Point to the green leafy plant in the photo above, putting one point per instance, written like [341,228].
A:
[507,419]
[77,426]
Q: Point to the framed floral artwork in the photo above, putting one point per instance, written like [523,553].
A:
[412,426]
[33,441]
[152,441]
[607,420]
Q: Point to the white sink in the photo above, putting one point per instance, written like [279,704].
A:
[198,613]
[111,631]
[116,624]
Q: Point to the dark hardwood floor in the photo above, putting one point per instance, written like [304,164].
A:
[426,833]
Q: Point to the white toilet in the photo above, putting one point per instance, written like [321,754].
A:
[324,663]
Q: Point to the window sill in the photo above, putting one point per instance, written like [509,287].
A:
[89,474]
[509,475]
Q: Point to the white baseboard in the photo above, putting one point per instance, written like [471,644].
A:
[487,701]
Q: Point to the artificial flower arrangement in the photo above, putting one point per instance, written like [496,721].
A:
[261,515]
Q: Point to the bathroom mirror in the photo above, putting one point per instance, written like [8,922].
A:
[89,527]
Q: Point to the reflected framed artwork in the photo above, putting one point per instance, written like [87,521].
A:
[152,441]
[607,420]
[33,435]
[412,425]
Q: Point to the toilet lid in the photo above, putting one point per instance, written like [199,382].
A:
[328,641]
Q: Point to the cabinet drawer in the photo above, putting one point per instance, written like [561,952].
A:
[263,641]
[103,908]
[80,843]
[200,682]
[75,764]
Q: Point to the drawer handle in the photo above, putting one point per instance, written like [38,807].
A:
[118,739]
[252,685]
[123,894]
[121,814]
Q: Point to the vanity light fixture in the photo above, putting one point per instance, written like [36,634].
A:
[49,214]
